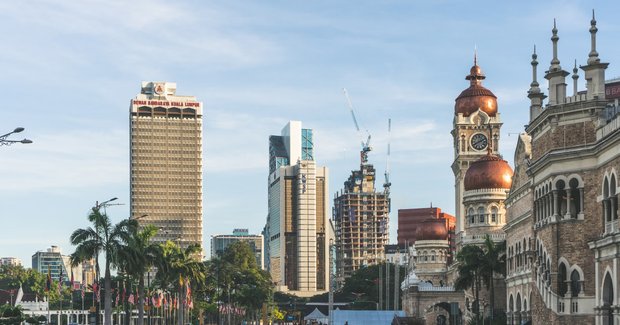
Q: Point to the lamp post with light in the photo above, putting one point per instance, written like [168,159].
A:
[5,142]
[96,208]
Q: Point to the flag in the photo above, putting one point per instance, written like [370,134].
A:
[20,295]
[48,283]
[83,289]
[124,294]
[96,289]
[131,299]
[118,293]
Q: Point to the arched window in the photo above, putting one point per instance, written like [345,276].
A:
[560,198]
[575,283]
[481,214]
[574,198]
[494,214]
[518,308]
[610,204]
[608,299]
[562,277]
[471,215]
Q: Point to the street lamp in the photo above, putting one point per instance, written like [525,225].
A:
[97,207]
[5,142]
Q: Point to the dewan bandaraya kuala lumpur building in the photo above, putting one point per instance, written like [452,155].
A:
[166,162]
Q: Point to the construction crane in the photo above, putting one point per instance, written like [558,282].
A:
[387,184]
[366,148]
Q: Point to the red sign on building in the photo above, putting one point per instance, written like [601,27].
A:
[612,90]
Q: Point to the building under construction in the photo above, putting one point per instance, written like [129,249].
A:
[361,219]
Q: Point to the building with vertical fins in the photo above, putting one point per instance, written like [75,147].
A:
[361,221]
[297,232]
[562,229]
[166,162]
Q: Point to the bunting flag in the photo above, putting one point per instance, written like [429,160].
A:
[48,282]
[131,299]
[118,293]
[165,302]
[95,287]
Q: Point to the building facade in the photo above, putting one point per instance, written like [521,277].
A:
[53,260]
[219,243]
[563,206]
[14,261]
[166,162]
[361,222]
[297,231]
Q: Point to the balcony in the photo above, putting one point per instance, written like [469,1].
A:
[611,227]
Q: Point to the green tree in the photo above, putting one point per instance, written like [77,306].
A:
[137,258]
[11,315]
[493,262]
[102,236]
[235,278]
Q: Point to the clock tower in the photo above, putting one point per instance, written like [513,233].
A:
[475,132]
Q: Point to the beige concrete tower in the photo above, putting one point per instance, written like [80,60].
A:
[166,162]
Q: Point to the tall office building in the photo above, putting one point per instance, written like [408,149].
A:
[297,230]
[166,162]
[53,260]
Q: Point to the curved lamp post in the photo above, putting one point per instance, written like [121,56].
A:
[5,142]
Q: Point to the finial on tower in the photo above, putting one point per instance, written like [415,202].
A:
[575,77]
[475,54]
[555,62]
[593,56]
[534,85]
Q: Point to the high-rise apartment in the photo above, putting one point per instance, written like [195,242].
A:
[166,162]
[297,230]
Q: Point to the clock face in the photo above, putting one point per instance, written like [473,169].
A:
[479,141]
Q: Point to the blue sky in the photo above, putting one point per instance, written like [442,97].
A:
[69,69]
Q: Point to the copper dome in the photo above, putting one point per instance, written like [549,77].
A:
[488,172]
[432,229]
[476,96]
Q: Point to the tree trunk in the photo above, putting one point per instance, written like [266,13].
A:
[108,297]
[477,286]
[492,295]
[140,299]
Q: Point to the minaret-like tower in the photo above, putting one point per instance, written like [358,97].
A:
[476,127]
[534,94]
[595,69]
[555,75]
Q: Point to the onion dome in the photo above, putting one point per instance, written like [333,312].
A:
[432,229]
[476,96]
[488,172]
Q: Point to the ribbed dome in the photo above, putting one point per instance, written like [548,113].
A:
[476,96]
[432,229]
[488,172]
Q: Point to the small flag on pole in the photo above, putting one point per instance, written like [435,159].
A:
[48,283]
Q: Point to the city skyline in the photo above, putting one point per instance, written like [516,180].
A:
[69,77]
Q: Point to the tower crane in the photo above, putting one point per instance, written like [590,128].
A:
[387,184]
[366,148]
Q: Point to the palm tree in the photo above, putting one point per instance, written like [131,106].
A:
[479,265]
[175,267]
[137,258]
[469,272]
[493,261]
[102,236]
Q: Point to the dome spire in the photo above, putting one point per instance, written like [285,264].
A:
[476,75]
[555,62]
[575,78]
[593,56]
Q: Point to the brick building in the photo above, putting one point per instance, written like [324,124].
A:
[562,230]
